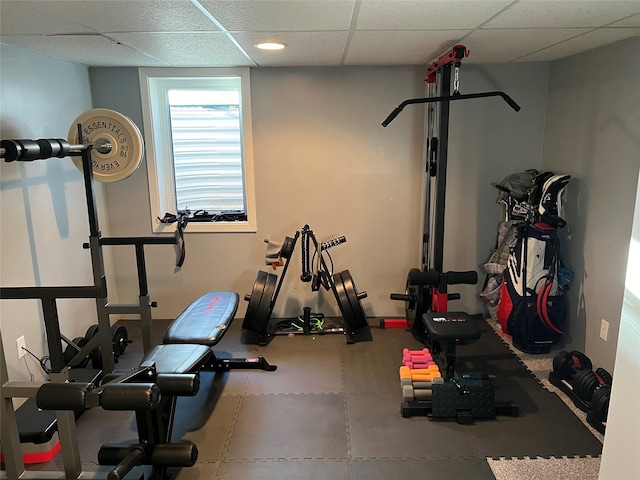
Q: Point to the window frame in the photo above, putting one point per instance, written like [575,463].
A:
[159,154]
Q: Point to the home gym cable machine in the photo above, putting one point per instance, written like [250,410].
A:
[108,146]
[426,287]
[468,396]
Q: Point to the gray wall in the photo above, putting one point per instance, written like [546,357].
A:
[322,158]
[592,132]
[42,204]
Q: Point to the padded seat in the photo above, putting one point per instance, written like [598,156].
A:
[178,358]
[205,321]
[448,326]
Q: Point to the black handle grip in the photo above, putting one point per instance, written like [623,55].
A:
[135,458]
[392,115]
[399,296]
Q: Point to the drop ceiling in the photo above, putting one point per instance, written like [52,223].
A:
[215,33]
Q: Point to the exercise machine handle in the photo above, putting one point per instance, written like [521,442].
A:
[135,457]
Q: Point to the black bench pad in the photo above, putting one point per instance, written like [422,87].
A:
[178,358]
[450,326]
[205,321]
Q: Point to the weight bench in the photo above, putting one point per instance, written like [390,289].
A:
[166,372]
[187,344]
[463,399]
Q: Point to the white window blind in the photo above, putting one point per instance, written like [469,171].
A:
[200,157]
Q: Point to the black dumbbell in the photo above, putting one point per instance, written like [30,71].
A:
[567,364]
[586,382]
[600,402]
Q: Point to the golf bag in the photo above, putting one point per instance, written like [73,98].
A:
[532,305]
[530,283]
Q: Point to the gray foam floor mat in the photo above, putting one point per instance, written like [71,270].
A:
[332,411]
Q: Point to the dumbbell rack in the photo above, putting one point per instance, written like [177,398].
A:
[567,389]
[264,294]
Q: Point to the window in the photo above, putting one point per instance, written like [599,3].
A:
[197,130]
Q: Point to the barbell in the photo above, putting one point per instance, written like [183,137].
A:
[115,142]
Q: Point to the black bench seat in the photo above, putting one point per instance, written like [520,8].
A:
[445,330]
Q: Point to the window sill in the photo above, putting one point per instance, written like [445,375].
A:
[208,227]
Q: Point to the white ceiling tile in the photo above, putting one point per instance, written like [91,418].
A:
[500,46]
[188,49]
[90,50]
[281,15]
[134,16]
[24,18]
[400,48]
[303,48]
[563,13]
[583,43]
[425,14]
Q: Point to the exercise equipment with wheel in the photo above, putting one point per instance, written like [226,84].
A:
[261,301]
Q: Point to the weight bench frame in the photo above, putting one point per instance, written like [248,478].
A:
[65,420]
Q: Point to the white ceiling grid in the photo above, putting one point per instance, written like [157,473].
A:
[223,33]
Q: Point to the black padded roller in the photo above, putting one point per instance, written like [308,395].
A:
[417,277]
[455,278]
[63,396]
[130,396]
[184,454]
[174,384]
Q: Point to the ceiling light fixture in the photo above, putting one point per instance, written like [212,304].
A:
[270,46]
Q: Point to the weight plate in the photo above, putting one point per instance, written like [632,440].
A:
[563,365]
[604,375]
[91,332]
[414,305]
[254,302]
[266,303]
[600,403]
[343,302]
[584,384]
[70,352]
[127,147]
[360,318]
[119,339]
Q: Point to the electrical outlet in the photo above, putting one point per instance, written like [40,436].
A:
[19,344]
[604,329]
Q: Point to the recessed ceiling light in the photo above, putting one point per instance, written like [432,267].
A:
[270,46]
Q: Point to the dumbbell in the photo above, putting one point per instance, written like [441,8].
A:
[414,392]
[421,375]
[418,365]
[600,402]
[567,364]
[424,351]
[586,382]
